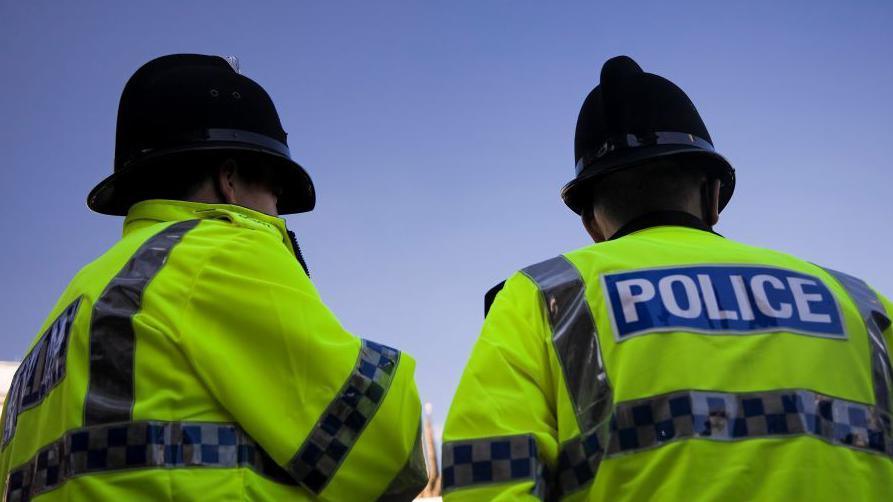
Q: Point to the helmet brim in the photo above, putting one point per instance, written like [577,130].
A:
[113,196]
[578,192]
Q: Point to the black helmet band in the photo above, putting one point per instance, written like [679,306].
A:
[633,141]
[240,136]
[219,138]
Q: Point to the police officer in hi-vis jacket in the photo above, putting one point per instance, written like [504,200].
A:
[194,360]
[667,362]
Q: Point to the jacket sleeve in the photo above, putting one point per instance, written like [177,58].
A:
[888,332]
[341,415]
[501,428]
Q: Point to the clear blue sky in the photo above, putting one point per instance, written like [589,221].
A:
[439,134]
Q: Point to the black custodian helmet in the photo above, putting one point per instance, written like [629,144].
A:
[631,118]
[182,106]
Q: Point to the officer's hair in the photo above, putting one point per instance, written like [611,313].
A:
[661,185]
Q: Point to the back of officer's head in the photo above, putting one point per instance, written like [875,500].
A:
[641,147]
[184,117]
[658,185]
[180,178]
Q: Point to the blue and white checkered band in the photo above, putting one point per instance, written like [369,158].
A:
[632,141]
[139,445]
[479,462]
[721,300]
[328,443]
[655,421]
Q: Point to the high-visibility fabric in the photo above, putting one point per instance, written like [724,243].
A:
[669,394]
[195,360]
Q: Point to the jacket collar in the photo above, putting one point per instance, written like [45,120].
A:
[150,212]
[662,218]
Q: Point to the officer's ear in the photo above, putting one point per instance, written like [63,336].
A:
[591,225]
[711,214]
[225,182]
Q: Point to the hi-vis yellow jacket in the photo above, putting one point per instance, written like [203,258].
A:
[672,364]
[195,361]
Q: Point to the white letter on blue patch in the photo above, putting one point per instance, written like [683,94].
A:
[669,298]
[629,300]
[758,285]
[802,300]
[740,289]
[710,301]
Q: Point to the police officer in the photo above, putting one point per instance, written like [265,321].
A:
[667,362]
[195,360]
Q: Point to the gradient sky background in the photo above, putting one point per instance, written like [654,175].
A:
[439,134]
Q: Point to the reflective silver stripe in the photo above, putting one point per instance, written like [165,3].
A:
[139,445]
[479,462]
[575,339]
[412,479]
[336,431]
[110,392]
[876,321]
[652,422]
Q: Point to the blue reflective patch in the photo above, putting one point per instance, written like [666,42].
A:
[41,370]
[726,299]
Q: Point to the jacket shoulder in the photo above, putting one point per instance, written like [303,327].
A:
[490,296]
[554,272]
[539,276]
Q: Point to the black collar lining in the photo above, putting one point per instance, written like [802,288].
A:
[662,218]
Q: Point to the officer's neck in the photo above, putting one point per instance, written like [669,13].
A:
[657,219]
[699,213]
